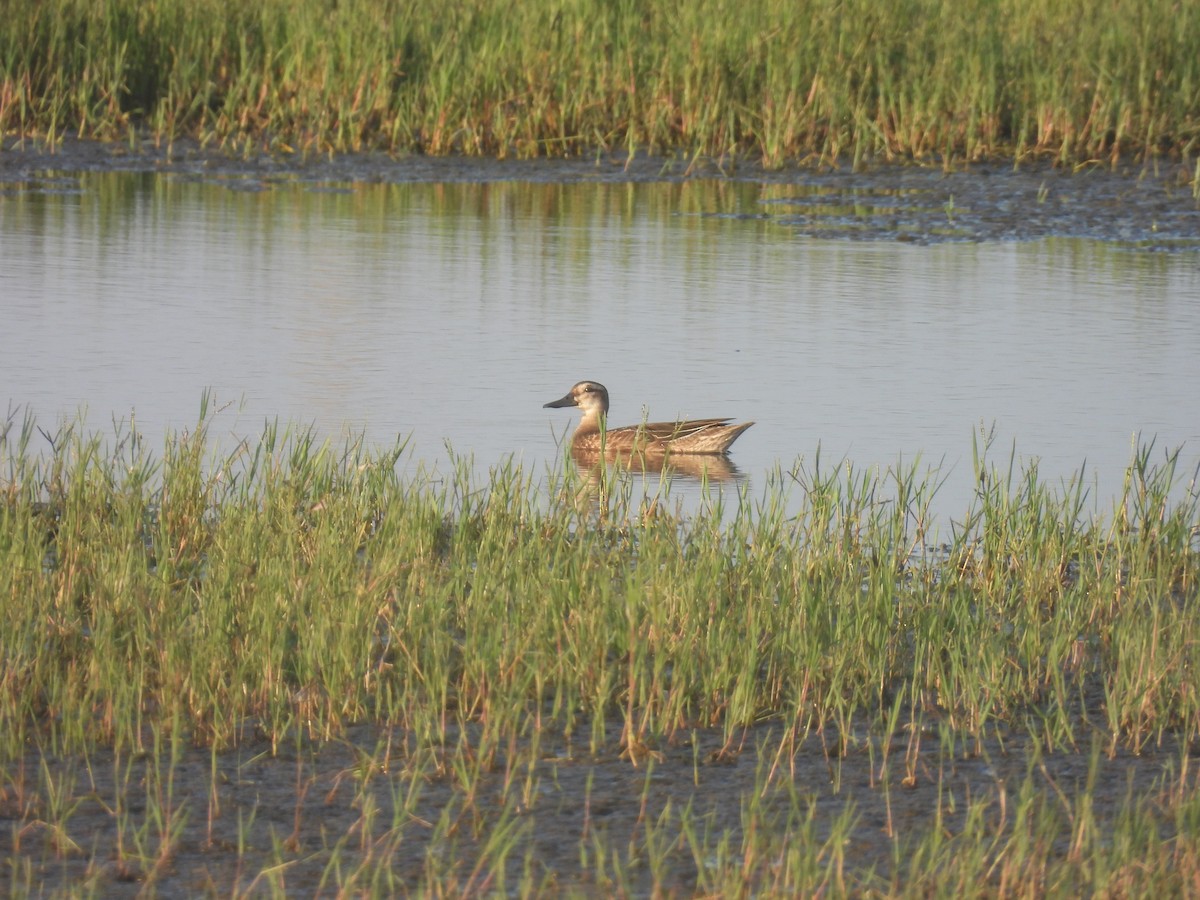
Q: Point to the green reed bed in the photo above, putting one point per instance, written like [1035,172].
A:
[778,80]
[289,668]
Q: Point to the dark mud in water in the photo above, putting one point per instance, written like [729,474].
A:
[302,819]
[1152,207]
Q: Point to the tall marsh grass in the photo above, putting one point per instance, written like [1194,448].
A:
[781,81]
[505,631]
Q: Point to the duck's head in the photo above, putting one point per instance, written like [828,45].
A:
[590,396]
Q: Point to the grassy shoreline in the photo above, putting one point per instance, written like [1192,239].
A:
[278,573]
[778,81]
[503,638]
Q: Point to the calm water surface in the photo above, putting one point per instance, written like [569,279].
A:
[452,311]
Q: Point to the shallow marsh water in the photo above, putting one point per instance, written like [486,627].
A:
[875,319]
[879,318]
[282,814]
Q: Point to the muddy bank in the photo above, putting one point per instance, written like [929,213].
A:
[304,817]
[1153,207]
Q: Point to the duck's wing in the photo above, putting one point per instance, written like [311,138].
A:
[673,431]
[687,436]
[682,430]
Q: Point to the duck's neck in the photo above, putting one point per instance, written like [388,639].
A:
[591,422]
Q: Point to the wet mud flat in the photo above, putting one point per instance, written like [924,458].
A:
[372,811]
[1153,206]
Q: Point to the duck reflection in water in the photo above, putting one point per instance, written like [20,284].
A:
[711,467]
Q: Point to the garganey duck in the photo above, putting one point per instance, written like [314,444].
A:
[692,436]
